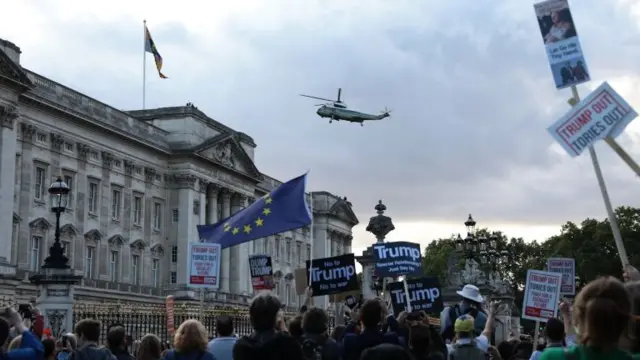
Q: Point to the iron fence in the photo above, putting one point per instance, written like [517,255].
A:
[139,320]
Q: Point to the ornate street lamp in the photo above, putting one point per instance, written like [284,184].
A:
[480,248]
[58,197]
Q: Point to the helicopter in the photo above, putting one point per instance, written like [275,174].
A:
[337,110]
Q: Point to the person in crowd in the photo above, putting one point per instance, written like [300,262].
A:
[338,333]
[316,342]
[67,345]
[117,343]
[49,347]
[420,344]
[555,337]
[470,303]
[386,352]
[295,327]
[601,313]
[523,350]
[266,342]
[467,345]
[505,348]
[190,342]
[88,334]
[222,345]
[371,316]
[631,339]
[30,347]
[150,348]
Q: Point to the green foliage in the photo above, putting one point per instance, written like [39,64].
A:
[591,243]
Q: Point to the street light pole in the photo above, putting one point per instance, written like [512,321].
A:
[480,249]
[58,195]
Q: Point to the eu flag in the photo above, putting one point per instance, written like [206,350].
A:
[283,209]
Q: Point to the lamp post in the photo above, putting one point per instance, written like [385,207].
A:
[479,248]
[58,196]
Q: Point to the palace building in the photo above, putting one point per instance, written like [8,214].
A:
[140,183]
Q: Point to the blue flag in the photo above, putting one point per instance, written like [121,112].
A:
[283,209]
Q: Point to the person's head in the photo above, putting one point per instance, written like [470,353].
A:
[150,348]
[631,339]
[4,331]
[295,327]
[15,343]
[554,331]
[224,326]
[419,339]
[315,321]
[68,341]
[470,297]
[371,313]
[463,327]
[384,352]
[263,311]
[190,336]
[555,16]
[338,333]
[49,346]
[116,338]
[505,349]
[601,312]
[87,331]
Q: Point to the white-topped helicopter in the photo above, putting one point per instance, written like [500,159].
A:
[337,110]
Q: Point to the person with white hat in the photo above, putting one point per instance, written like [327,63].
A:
[471,303]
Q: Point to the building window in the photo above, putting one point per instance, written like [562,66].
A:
[308,252]
[174,254]
[287,294]
[66,248]
[116,200]
[138,171]
[175,215]
[155,269]
[42,138]
[135,266]
[298,253]
[88,264]
[94,155]
[137,210]
[93,197]
[68,147]
[36,245]
[117,163]
[174,277]
[113,265]
[288,251]
[68,179]
[41,175]
[277,246]
[157,216]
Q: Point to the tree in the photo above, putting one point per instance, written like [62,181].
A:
[436,257]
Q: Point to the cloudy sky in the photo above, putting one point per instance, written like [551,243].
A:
[469,85]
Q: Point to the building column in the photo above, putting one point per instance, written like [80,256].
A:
[235,278]
[226,253]
[187,231]
[204,186]
[8,115]
[243,263]
[212,204]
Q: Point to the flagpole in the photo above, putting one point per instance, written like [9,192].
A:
[144,64]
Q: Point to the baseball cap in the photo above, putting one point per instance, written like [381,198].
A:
[464,323]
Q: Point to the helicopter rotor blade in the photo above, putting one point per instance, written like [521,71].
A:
[339,93]
[315,97]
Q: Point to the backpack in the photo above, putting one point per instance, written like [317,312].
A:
[467,352]
[311,350]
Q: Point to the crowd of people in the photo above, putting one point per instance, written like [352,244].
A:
[602,323]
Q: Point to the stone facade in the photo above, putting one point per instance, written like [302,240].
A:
[140,183]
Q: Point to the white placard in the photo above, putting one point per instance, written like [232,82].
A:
[567,268]
[541,295]
[203,270]
[603,113]
[561,41]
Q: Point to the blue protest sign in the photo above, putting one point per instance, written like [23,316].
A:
[397,258]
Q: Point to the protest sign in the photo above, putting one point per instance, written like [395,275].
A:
[567,268]
[562,43]
[332,275]
[261,272]
[397,258]
[203,270]
[541,295]
[424,295]
[603,113]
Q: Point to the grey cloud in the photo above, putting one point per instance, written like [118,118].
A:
[470,87]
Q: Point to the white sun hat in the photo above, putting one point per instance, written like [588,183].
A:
[471,292]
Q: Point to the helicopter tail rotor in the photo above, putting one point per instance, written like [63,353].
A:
[386,111]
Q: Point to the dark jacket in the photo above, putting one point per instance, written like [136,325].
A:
[30,349]
[193,355]
[121,354]
[330,349]
[91,352]
[268,345]
[354,344]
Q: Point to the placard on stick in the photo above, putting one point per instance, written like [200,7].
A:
[541,295]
